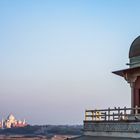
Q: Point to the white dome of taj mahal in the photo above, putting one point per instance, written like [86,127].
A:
[11,117]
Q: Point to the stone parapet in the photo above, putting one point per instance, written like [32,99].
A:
[116,129]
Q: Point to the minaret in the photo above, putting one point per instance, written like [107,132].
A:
[2,125]
[132,74]
[24,121]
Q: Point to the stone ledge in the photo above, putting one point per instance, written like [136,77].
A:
[113,134]
[112,127]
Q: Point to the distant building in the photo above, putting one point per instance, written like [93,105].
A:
[11,122]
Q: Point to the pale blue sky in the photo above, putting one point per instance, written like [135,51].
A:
[57,56]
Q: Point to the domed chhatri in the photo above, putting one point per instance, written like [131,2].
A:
[126,123]
[135,48]
[132,74]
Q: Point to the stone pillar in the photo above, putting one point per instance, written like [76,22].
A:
[132,95]
[131,78]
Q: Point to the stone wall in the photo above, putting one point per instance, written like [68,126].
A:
[112,126]
[112,129]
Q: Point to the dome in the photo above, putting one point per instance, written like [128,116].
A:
[11,117]
[135,48]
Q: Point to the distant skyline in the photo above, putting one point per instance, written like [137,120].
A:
[57,56]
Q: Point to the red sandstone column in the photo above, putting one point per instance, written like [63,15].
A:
[132,95]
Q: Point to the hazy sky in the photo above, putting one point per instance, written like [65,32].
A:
[57,56]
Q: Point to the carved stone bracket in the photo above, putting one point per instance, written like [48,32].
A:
[131,77]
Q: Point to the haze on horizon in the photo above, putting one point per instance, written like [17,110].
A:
[57,57]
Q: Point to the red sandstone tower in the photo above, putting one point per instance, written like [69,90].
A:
[132,74]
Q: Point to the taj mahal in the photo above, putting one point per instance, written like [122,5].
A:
[11,122]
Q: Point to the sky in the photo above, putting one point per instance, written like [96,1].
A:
[57,57]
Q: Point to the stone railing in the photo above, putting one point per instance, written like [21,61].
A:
[113,114]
